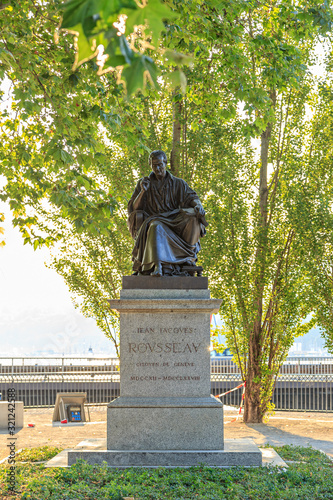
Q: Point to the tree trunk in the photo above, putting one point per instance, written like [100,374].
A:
[177,105]
[253,409]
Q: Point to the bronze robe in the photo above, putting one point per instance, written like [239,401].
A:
[167,230]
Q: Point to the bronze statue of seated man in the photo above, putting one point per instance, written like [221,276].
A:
[166,220]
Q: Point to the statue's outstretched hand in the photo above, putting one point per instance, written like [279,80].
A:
[145,183]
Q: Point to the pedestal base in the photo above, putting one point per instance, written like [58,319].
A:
[165,424]
[237,452]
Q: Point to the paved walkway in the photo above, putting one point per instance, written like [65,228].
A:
[297,428]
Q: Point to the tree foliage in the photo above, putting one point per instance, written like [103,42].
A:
[124,29]
[50,131]
[285,302]
[312,210]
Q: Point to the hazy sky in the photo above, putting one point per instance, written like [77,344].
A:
[36,311]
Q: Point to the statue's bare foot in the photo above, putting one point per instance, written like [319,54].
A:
[158,270]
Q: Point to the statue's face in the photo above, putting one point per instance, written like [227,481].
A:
[158,165]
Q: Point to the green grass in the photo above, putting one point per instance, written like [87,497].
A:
[311,479]
[41,454]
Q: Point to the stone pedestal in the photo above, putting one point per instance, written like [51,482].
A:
[165,414]
[165,373]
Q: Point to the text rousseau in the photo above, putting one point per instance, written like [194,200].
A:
[169,347]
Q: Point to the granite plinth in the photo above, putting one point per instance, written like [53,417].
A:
[153,293]
[165,282]
[138,306]
[237,452]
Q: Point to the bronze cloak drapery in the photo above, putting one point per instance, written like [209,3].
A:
[167,230]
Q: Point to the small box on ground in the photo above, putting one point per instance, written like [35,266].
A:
[70,406]
[74,414]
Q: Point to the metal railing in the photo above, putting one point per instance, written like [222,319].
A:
[293,365]
[37,380]
[304,383]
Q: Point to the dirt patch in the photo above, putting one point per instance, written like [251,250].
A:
[298,428]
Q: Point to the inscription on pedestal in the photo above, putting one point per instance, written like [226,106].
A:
[187,330]
[168,359]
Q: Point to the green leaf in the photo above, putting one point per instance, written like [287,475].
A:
[177,79]
[83,47]
[79,224]
[114,61]
[173,57]
[65,157]
[26,156]
[84,182]
[134,75]
[6,56]
[74,79]
[89,26]
[134,18]
[84,12]
[152,71]
[153,15]
[156,12]
[115,6]
[111,42]
[125,49]
[75,11]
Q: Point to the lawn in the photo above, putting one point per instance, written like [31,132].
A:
[309,476]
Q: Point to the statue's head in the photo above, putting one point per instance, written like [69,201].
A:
[158,163]
[157,153]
